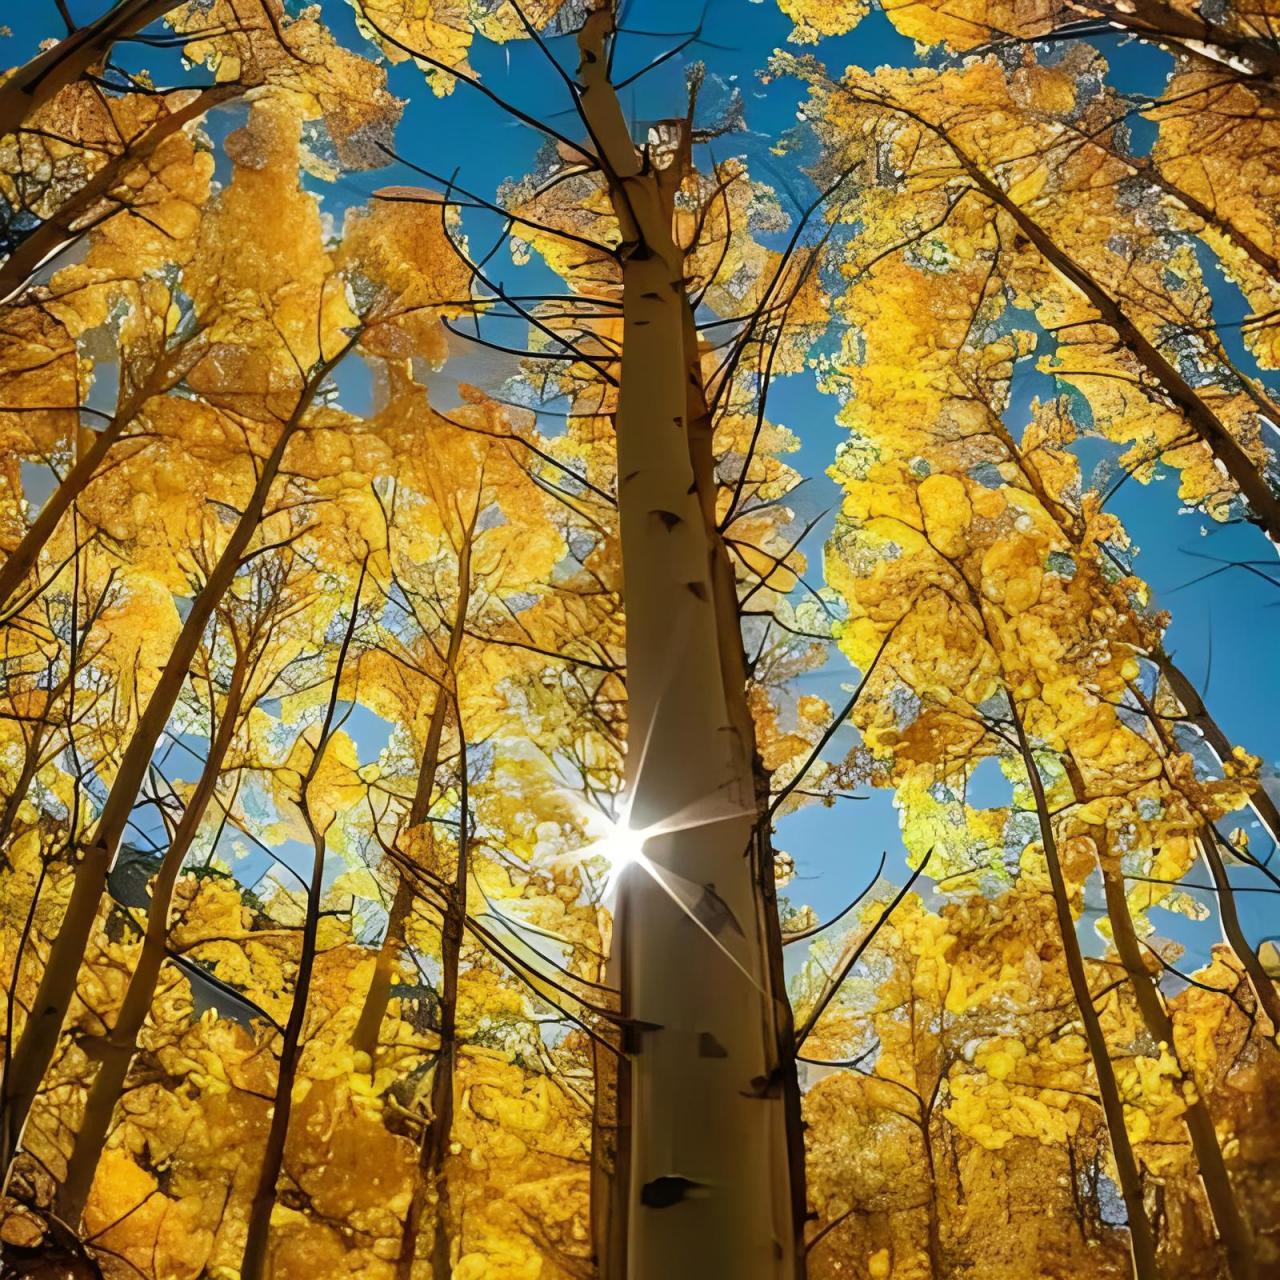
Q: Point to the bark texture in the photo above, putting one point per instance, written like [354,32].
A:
[120,1046]
[1234,1231]
[707,1191]
[36,82]
[85,209]
[1142,1239]
[39,1039]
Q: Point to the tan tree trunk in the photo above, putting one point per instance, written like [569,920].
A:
[39,1039]
[1233,932]
[707,1190]
[609,1152]
[365,1037]
[442,1078]
[432,1184]
[253,1263]
[1234,1231]
[1228,917]
[66,226]
[790,1180]
[115,1055]
[1232,1227]
[1142,1238]
[432,1179]
[1186,32]
[36,82]
[1193,705]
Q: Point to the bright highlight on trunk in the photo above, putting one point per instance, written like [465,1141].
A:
[633,643]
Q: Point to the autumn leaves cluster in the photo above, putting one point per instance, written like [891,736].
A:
[1004,218]
[312,653]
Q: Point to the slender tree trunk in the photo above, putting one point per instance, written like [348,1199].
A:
[1243,471]
[706,1191]
[30,766]
[434,1148]
[1141,1236]
[1228,917]
[608,1149]
[365,1037]
[1183,689]
[442,1079]
[36,82]
[39,1038]
[937,1265]
[782,1068]
[1197,713]
[1186,32]
[253,1265]
[59,230]
[1234,1231]
[1232,1227]
[117,1051]
[433,1178]
[164,374]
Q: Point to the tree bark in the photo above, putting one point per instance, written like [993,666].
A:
[782,1068]
[164,374]
[1198,714]
[1188,33]
[1248,477]
[39,1038]
[442,1078]
[253,1264]
[433,1154]
[937,1260]
[58,231]
[365,1037]
[1142,1238]
[1234,1231]
[609,1151]
[707,1191]
[1232,1227]
[119,1047]
[36,82]
[1193,705]
[1228,918]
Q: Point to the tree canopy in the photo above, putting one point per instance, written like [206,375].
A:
[607,640]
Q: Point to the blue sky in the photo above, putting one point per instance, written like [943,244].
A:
[1220,623]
